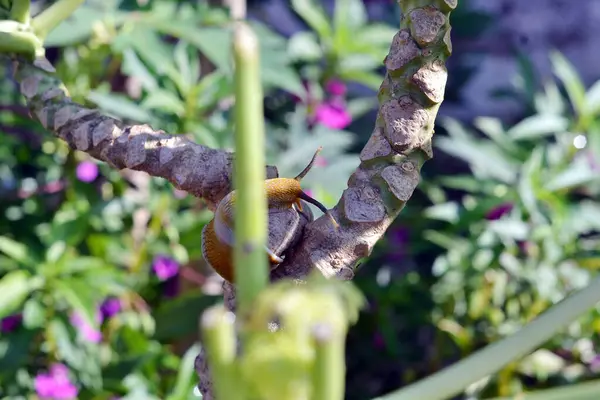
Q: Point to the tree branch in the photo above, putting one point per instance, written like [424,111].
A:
[409,98]
[197,169]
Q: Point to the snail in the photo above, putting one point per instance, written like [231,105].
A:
[283,194]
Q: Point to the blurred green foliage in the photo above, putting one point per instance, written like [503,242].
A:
[471,259]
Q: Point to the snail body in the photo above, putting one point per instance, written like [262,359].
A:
[283,194]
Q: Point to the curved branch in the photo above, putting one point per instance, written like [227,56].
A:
[197,169]
[409,98]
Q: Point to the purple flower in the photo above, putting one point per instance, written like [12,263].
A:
[10,323]
[110,307]
[499,211]
[335,87]
[89,333]
[56,384]
[87,171]
[333,116]
[165,267]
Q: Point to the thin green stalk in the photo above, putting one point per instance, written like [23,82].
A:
[330,370]
[575,391]
[20,11]
[218,331]
[23,43]
[251,271]
[47,20]
[453,380]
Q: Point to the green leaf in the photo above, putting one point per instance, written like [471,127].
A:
[377,35]
[349,16]
[56,251]
[76,265]
[551,101]
[578,173]
[528,183]
[17,251]
[173,320]
[77,294]
[313,14]
[304,46]
[360,106]
[538,126]
[492,128]
[569,77]
[188,65]
[369,79]
[15,287]
[120,106]
[281,76]
[134,67]
[66,348]
[214,43]
[444,212]
[484,158]
[592,99]
[34,314]
[164,101]
[15,351]
[186,378]
[80,25]
[69,225]
[513,229]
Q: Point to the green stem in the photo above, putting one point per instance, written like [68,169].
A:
[218,331]
[329,371]
[47,20]
[251,271]
[20,11]
[453,380]
[22,43]
[579,391]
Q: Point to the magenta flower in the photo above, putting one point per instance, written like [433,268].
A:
[499,211]
[333,116]
[89,333]
[165,267]
[87,171]
[335,87]
[10,323]
[55,385]
[110,307]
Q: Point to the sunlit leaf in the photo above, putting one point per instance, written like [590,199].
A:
[15,287]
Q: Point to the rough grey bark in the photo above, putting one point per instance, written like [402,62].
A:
[410,96]
[197,169]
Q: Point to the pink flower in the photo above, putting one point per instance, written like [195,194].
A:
[56,384]
[499,211]
[333,116]
[87,171]
[165,267]
[335,87]
[88,332]
[10,323]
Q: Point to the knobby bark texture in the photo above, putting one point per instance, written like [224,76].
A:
[197,169]
[409,97]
